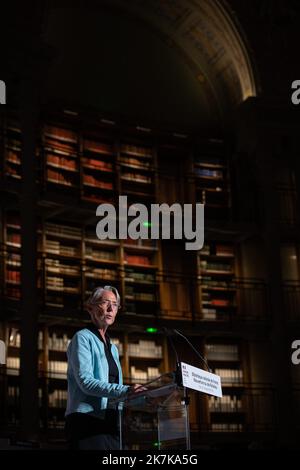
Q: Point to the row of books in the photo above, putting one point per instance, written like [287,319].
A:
[62,230]
[13,363]
[101,273]
[209,313]
[222,352]
[230,375]
[136,150]
[57,367]
[58,177]
[13,156]
[13,172]
[145,348]
[56,267]
[58,398]
[137,259]
[55,135]
[136,177]
[13,239]
[136,163]
[13,276]
[99,183]
[144,375]
[97,164]
[60,284]
[205,172]
[140,243]
[211,266]
[142,296]
[95,254]
[58,343]
[209,282]
[62,162]
[61,134]
[227,403]
[97,147]
[217,302]
[59,248]
[55,343]
[62,150]
[218,250]
[227,427]
[136,276]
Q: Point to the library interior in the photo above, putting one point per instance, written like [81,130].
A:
[175,102]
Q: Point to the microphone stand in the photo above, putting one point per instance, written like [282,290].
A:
[185,399]
[178,375]
[194,349]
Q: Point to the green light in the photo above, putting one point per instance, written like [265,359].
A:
[155,444]
[147,224]
[151,330]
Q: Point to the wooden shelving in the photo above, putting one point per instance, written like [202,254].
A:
[157,279]
[212,183]
[227,414]
[216,266]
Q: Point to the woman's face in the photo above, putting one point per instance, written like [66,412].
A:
[104,312]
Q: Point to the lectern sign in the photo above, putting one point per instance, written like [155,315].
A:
[201,380]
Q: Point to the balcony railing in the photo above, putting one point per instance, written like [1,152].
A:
[256,409]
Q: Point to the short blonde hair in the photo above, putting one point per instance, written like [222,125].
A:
[97,294]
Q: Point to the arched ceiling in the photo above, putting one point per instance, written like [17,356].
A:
[180,62]
[209,38]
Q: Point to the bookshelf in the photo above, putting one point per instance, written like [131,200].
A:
[174,160]
[212,179]
[228,413]
[137,164]
[145,359]
[216,267]
[61,254]
[89,164]
[60,150]
[140,264]
[12,150]
[12,254]
[101,261]
[98,168]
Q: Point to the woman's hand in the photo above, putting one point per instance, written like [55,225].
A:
[136,388]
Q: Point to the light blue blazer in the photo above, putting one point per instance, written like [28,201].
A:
[88,386]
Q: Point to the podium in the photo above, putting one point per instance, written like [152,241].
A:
[157,418]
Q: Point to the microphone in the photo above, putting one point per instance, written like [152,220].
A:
[194,349]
